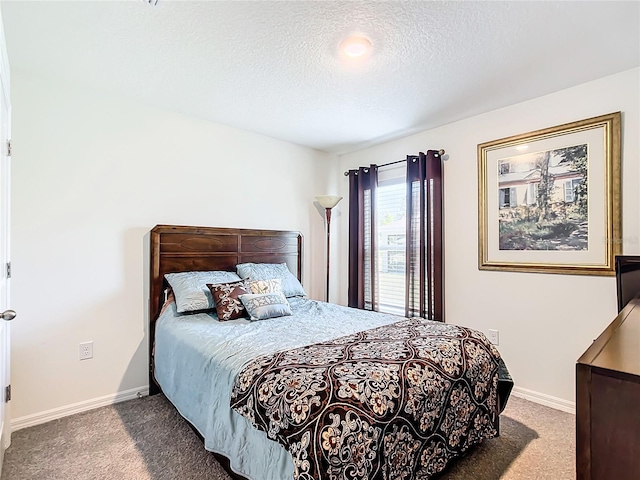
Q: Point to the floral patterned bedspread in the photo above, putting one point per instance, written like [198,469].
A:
[395,402]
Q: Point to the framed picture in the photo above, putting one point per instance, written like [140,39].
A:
[549,200]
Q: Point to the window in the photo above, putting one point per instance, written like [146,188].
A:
[570,189]
[504,168]
[396,261]
[396,239]
[392,225]
[508,197]
[531,195]
[385,273]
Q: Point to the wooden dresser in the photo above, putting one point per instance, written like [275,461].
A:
[608,402]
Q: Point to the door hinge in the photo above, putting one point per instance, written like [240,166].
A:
[7,394]
[8,269]
[9,148]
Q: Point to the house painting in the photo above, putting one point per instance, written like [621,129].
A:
[543,200]
[518,183]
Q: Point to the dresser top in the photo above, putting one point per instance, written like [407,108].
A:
[618,347]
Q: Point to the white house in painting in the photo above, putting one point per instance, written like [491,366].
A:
[518,183]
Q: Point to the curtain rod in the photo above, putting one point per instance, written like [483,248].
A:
[441,152]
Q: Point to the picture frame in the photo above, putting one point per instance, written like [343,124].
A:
[549,200]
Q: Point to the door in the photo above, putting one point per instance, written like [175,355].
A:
[5,131]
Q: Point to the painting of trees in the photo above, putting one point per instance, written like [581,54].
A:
[576,157]
[547,194]
[546,184]
[549,200]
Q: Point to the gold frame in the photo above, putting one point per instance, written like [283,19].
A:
[611,124]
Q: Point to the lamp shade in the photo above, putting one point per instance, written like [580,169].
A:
[328,201]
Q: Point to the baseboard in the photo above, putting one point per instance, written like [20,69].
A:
[60,412]
[544,399]
[56,413]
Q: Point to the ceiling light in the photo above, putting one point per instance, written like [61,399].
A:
[355,46]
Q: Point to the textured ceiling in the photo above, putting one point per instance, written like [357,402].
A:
[273,67]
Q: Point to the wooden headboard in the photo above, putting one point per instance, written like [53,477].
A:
[177,248]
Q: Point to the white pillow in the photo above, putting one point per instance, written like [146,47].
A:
[261,306]
[191,291]
[291,286]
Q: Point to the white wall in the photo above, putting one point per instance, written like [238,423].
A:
[545,321]
[92,174]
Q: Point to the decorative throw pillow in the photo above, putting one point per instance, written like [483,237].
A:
[291,287]
[228,304]
[264,286]
[261,306]
[190,288]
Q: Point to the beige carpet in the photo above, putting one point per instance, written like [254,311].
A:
[147,440]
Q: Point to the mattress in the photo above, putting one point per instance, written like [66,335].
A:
[197,359]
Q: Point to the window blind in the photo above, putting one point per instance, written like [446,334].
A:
[391,222]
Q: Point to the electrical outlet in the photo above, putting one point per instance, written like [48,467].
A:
[86,350]
[494,337]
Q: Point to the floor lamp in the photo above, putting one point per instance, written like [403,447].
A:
[328,202]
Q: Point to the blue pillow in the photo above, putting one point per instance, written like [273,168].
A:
[261,306]
[191,291]
[291,287]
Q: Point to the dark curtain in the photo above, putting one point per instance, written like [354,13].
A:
[424,275]
[363,184]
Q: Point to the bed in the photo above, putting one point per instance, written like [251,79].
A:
[326,392]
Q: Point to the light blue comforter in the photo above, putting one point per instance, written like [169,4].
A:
[197,359]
